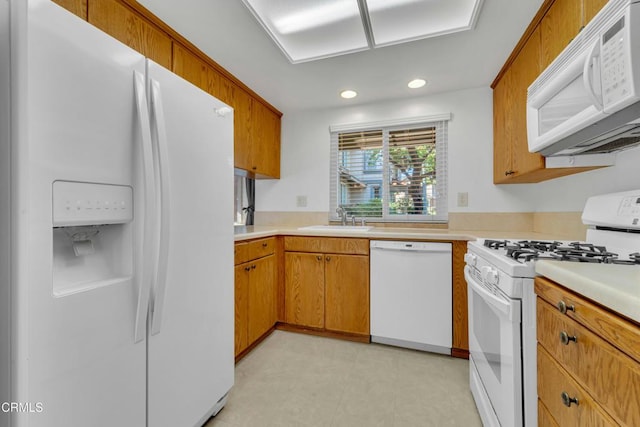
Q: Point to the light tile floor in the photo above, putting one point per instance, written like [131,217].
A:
[301,380]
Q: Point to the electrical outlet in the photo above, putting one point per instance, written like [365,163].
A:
[301,201]
[463,200]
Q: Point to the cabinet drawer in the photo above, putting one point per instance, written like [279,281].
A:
[255,249]
[553,382]
[611,377]
[332,245]
[624,334]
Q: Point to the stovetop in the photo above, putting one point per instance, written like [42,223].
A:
[529,250]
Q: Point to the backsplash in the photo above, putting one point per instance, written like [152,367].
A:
[564,225]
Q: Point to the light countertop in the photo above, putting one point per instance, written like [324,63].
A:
[254,232]
[614,286]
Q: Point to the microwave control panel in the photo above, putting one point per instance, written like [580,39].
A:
[616,83]
[630,206]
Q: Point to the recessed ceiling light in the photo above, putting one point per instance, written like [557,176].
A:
[347,94]
[416,83]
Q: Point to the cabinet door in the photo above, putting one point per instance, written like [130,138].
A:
[77,7]
[347,293]
[304,289]
[525,69]
[591,8]
[190,67]
[262,297]
[131,29]
[242,273]
[265,140]
[560,25]
[503,109]
[242,122]
[220,86]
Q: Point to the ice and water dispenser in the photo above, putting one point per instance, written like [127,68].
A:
[92,235]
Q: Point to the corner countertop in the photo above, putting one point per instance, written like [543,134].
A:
[254,232]
[614,286]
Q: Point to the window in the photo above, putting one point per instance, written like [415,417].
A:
[391,173]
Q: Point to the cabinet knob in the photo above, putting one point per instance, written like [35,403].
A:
[264,245]
[254,167]
[563,307]
[568,400]
[247,268]
[319,258]
[565,338]
[253,267]
[328,258]
[510,172]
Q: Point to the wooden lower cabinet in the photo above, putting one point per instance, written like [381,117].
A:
[327,291]
[589,354]
[304,289]
[255,300]
[347,293]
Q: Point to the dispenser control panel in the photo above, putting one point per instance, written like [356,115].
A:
[86,203]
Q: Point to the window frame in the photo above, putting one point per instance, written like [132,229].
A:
[440,122]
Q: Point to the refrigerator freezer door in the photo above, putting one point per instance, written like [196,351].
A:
[191,358]
[74,120]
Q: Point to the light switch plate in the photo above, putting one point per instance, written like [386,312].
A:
[463,200]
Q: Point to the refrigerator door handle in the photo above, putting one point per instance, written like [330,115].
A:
[145,276]
[164,208]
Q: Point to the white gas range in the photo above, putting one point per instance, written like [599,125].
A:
[502,303]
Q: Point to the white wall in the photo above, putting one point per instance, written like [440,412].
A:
[306,145]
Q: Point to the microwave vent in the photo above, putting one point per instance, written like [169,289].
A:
[616,145]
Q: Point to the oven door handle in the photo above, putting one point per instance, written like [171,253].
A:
[497,302]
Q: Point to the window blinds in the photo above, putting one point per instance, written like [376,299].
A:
[393,173]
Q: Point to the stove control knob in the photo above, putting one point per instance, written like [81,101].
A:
[470,259]
[490,275]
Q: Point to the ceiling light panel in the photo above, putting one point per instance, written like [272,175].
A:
[398,21]
[309,29]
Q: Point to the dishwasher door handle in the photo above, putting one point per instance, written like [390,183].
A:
[431,251]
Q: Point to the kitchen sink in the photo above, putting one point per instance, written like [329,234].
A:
[345,228]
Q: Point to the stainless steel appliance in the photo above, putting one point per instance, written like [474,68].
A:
[502,323]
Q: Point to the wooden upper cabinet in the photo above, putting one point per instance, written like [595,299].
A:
[512,159]
[220,86]
[124,24]
[243,150]
[591,8]
[77,7]
[560,25]
[265,140]
[190,67]
[550,32]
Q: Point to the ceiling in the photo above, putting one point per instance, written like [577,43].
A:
[228,32]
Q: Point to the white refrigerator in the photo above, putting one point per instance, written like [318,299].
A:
[116,268]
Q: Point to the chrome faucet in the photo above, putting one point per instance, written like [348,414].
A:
[342,213]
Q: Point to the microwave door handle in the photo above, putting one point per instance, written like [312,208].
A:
[591,71]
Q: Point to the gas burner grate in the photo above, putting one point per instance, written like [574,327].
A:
[496,244]
[539,245]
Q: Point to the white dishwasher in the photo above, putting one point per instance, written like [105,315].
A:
[411,299]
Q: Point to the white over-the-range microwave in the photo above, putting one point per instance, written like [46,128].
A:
[585,106]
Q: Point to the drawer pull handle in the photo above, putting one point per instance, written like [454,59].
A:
[563,307]
[565,338]
[319,258]
[568,400]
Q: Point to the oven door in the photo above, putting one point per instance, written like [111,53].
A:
[495,346]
